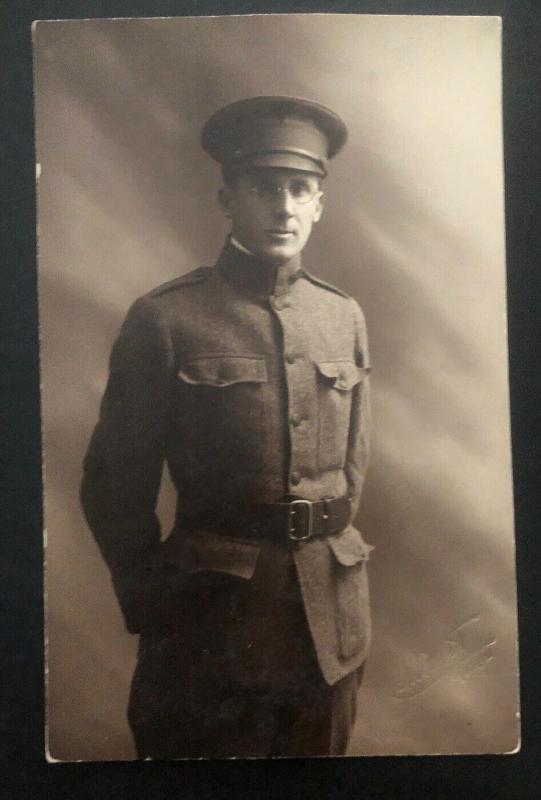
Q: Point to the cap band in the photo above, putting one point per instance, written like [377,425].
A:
[289,158]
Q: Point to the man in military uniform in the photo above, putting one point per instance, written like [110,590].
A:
[250,380]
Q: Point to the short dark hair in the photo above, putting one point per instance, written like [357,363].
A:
[232,172]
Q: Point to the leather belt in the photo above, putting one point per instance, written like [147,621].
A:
[298,519]
[301,519]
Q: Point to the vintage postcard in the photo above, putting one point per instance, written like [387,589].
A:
[278,487]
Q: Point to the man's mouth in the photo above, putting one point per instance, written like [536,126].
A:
[278,232]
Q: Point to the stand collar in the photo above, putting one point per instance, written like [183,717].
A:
[249,272]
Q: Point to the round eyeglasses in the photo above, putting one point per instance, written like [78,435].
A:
[301,190]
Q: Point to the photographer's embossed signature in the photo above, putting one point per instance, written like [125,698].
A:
[462,654]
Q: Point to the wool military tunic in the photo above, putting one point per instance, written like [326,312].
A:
[251,383]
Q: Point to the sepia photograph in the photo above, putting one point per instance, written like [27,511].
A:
[278,499]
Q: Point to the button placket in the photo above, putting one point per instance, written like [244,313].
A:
[296,369]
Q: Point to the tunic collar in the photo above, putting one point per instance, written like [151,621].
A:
[247,271]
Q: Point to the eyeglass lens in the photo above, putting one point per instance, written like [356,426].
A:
[300,190]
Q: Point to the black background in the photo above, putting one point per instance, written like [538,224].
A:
[24,771]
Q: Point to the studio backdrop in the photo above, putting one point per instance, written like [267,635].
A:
[413,228]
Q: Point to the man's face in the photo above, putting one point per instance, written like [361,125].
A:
[273,210]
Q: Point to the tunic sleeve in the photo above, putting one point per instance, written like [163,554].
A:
[123,465]
[360,423]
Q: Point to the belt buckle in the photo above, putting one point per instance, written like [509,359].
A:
[292,512]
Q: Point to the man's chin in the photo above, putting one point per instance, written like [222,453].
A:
[278,254]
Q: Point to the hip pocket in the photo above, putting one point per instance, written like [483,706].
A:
[351,553]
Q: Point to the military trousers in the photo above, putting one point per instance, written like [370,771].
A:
[240,677]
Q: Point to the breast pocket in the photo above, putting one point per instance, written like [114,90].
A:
[337,380]
[221,414]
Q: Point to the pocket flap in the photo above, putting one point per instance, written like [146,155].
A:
[344,374]
[349,547]
[224,370]
[204,551]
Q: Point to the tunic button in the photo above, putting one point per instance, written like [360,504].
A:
[295,420]
[290,358]
[295,478]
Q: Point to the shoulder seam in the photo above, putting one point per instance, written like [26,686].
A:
[326,285]
[189,279]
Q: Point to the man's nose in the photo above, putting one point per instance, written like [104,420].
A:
[284,205]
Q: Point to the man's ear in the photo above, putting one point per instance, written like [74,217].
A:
[319,205]
[224,199]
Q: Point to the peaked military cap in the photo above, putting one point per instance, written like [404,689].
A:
[274,131]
